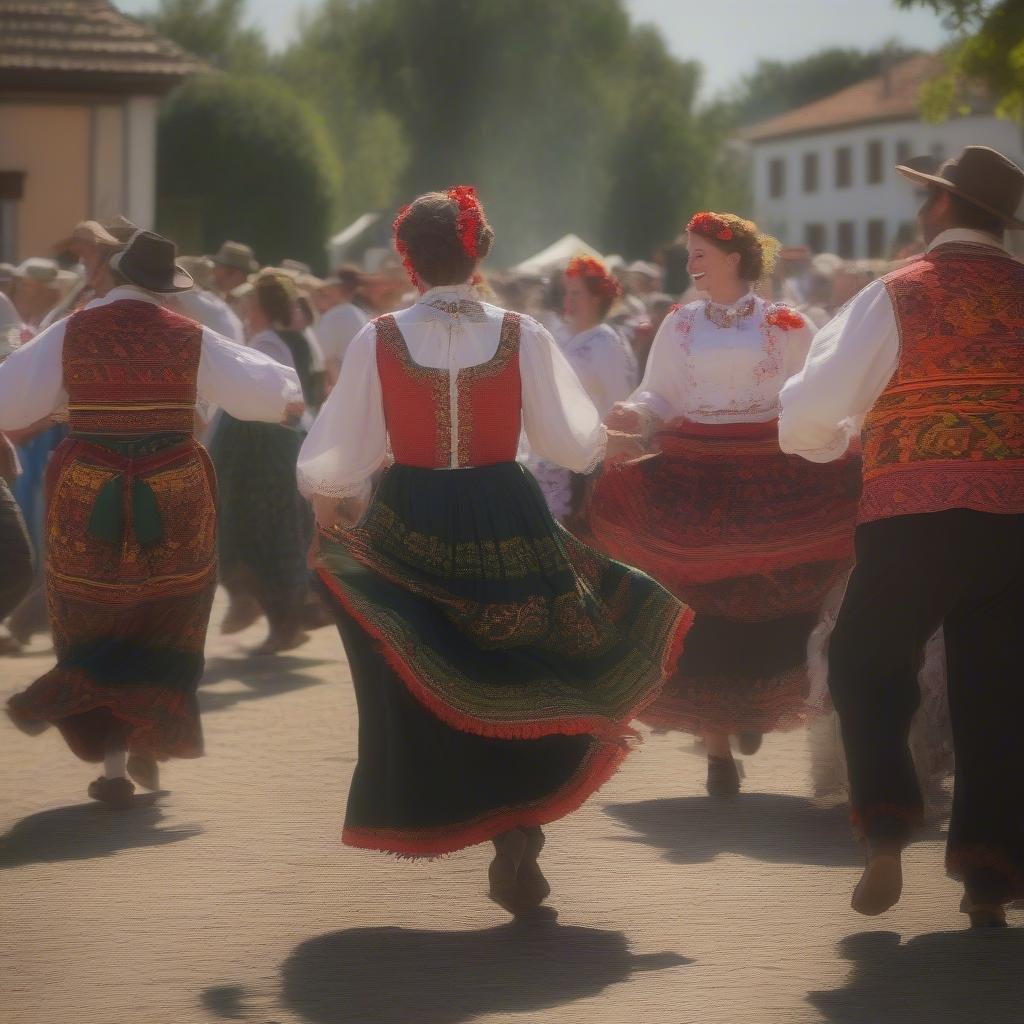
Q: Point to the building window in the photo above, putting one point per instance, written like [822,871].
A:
[810,172]
[777,178]
[845,239]
[876,239]
[876,162]
[904,151]
[844,167]
[814,237]
[12,185]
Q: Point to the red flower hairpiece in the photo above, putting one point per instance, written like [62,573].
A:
[594,270]
[470,219]
[710,225]
[784,318]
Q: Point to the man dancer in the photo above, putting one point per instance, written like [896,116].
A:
[933,354]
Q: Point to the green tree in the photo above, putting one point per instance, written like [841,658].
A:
[213,30]
[988,49]
[245,158]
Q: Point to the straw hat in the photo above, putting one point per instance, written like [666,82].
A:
[237,256]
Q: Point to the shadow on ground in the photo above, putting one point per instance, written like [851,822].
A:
[395,976]
[87,831]
[769,827]
[965,977]
[261,676]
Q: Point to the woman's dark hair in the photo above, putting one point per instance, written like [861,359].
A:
[429,232]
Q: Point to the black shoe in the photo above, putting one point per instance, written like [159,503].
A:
[749,742]
[723,777]
[115,792]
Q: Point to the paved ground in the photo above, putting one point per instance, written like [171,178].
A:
[229,897]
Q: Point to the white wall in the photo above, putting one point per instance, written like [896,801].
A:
[893,200]
[140,160]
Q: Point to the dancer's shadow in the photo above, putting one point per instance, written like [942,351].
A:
[395,976]
[769,827]
[261,677]
[87,831]
[959,977]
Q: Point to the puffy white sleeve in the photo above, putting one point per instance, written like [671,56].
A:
[850,361]
[561,422]
[243,382]
[32,380]
[797,344]
[348,443]
[662,392]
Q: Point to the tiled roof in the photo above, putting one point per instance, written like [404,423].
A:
[892,96]
[82,44]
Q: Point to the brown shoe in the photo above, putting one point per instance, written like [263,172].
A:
[723,777]
[881,885]
[115,792]
[143,768]
[984,915]
[534,888]
[749,742]
[503,872]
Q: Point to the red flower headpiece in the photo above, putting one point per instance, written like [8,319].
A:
[470,219]
[594,270]
[711,226]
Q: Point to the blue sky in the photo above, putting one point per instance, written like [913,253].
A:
[726,36]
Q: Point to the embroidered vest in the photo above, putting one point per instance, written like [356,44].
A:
[130,369]
[435,426]
[948,430]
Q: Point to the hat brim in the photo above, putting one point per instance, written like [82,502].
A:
[933,179]
[252,268]
[181,280]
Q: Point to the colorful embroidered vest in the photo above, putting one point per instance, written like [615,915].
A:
[430,427]
[130,369]
[948,430]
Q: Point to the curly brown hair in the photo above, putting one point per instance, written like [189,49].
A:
[428,231]
[726,231]
[275,294]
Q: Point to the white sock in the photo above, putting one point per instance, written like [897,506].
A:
[115,764]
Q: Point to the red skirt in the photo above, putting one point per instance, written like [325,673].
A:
[753,540]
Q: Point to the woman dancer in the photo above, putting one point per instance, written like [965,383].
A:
[497,661]
[753,540]
[264,522]
[604,363]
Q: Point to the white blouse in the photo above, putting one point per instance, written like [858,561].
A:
[447,328]
[713,363]
[605,364]
[248,384]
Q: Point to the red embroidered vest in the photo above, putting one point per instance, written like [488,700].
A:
[948,430]
[429,427]
[130,369]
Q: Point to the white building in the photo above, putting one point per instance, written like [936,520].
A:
[824,174]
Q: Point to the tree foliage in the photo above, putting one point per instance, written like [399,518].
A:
[989,50]
[245,158]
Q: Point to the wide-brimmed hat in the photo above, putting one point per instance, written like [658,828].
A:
[121,228]
[149,262]
[38,268]
[237,256]
[982,176]
[87,233]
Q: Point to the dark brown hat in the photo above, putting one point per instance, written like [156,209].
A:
[148,261]
[237,256]
[982,176]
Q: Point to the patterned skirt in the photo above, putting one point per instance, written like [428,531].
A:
[497,661]
[753,540]
[265,525]
[129,616]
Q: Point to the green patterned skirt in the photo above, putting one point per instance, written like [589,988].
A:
[497,661]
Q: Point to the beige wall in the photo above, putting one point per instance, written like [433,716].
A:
[50,144]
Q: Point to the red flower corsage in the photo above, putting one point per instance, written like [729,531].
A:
[784,318]
[710,225]
[594,270]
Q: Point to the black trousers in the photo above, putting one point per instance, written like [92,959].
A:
[16,572]
[962,570]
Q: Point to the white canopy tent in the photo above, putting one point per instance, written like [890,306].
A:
[556,255]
